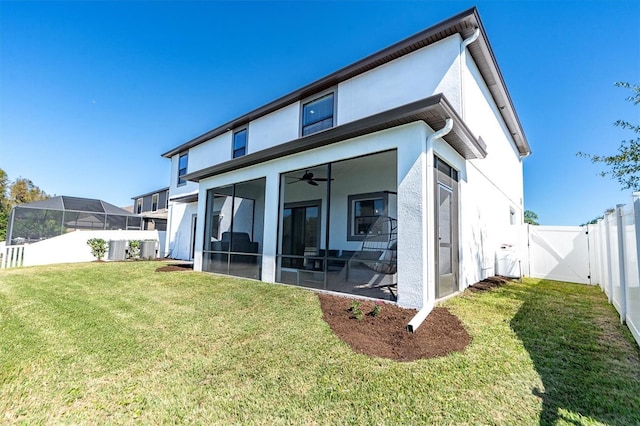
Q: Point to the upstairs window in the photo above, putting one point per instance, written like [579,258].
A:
[154,202]
[317,115]
[182,168]
[139,206]
[239,143]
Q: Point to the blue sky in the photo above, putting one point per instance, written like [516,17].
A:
[91,93]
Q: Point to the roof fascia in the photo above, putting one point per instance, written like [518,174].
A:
[187,198]
[499,91]
[387,54]
[150,193]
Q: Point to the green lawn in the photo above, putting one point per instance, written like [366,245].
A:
[119,343]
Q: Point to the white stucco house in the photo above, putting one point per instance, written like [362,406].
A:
[396,177]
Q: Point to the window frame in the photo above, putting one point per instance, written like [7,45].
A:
[352,200]
[154,205]
[513,219]
[334,116]
[139,205]
[233,142]
[182,171]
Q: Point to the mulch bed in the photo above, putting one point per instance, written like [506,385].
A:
[489,283]
[385,335]
[176,267]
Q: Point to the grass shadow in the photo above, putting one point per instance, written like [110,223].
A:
[587,361]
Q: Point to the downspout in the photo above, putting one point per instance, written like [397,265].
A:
[473,37]
[426,308]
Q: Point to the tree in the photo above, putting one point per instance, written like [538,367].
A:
[24,191]
[13,193]
[594,221]
[530,217]
[625,165]
[4,205]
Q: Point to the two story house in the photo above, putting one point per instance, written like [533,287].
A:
[396,177]
[153,207]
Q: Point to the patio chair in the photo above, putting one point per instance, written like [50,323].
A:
[379,253]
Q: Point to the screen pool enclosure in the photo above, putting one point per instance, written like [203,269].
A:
[55,216]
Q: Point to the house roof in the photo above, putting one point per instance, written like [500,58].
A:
[157,191]
[433,110]
[463,23]
[63,202]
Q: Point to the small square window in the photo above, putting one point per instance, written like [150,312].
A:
[240,143]
[317,115]
[183,161]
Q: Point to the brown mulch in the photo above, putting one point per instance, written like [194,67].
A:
[489,283]
[175,267]
[385,335]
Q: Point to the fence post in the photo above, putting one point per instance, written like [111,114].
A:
[609,289]
[601,253]
[528,228]
[636,215]
[594,266]
[621,260]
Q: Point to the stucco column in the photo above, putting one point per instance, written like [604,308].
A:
[169,236]
[199,236]
[270,237]
[430,235]
[415,222]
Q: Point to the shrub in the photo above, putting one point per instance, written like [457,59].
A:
[98,247]
[134,249]
[356,312]
[376,309]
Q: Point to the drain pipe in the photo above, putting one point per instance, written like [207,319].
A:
[473,37]
[424,311]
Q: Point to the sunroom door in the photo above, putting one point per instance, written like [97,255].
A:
[300,233]
[447,226]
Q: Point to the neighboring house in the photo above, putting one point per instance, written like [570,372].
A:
[396,177]
[153,207]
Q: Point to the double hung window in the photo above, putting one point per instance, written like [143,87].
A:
[317,115]
[183,161]
[239,143]
[154,202]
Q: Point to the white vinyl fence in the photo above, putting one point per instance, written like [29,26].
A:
[559,253]
[11,256]
[606,254]
[70,248]
[616,241]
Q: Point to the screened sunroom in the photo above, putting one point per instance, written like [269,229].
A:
[337,227]
[55,216]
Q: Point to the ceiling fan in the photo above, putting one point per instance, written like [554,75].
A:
[308,177]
